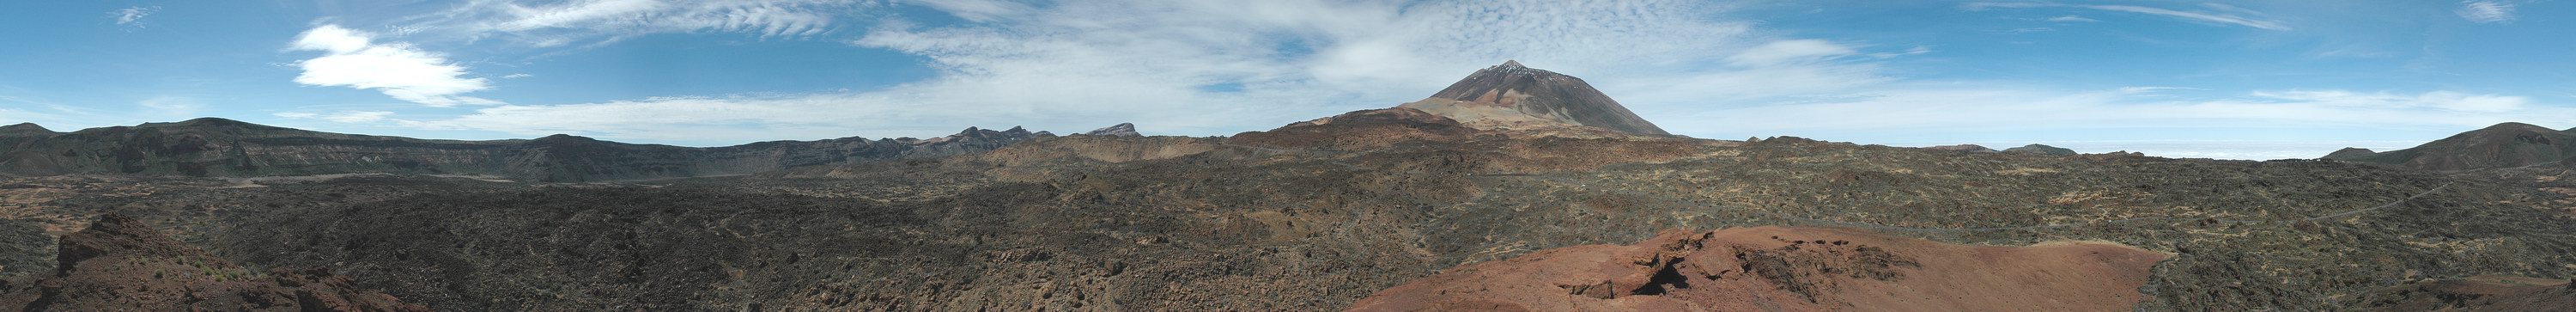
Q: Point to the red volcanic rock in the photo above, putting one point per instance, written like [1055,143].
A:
[1787,269]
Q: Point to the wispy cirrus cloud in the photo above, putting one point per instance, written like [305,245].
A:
[132,17]
[1206,67]
[1217,67]
[354,59]
[172,107]
[2223,14]
[1935,108]
[2485,11]
[2443,100]
[349,116]
[550,24]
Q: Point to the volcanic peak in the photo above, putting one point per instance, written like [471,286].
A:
[1514,97]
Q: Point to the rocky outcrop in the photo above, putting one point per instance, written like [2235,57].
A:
[1512,97]
[1122,129]
[121,264]
[220,147]
[1963,148]
[2041,149]
[2504,145]
[1792,269]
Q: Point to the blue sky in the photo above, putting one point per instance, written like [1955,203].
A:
[2234,79]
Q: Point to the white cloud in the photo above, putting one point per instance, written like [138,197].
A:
[132,16]
[2232,16]
[557,23]
[2072,19]
[2445,100]
[172,107]
[977,10]
[2148,89]
[2485,11]
[1214,67]
[351,59]
[341,116]
[1955,107]
[2220,18]
[1787,51]
[1916,50]
[517,76]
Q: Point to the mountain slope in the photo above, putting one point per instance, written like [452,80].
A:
[1513,97]
[221,147]
[2503,145]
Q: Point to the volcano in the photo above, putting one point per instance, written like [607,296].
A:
[1514,97]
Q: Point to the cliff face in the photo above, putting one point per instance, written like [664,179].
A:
[219,147]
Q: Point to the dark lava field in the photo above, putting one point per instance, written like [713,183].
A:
[1169,223]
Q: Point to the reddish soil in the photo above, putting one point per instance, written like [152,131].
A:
[1788,269]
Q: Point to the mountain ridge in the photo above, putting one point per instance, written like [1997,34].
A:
[2503,145]
[230,148]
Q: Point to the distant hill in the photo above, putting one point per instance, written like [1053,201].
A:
[228,148]
[2042,149]
[1963,148]
[2504,145]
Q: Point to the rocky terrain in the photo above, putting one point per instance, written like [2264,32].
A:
[226,148]
[121,264]
[2504,145]
[1318,215]
[1787,269]
[2478,293]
